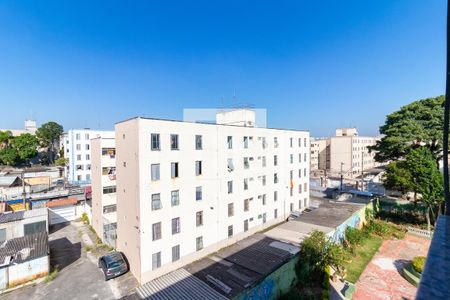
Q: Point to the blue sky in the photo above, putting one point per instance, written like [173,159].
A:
[312,64]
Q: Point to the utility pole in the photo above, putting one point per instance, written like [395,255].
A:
[24,193]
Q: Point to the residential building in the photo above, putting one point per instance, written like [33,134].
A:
[185,190]
[21,223]
[103,172]
[77,149]
[320,154]
[29,127]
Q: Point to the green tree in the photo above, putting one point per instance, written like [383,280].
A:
[9,156]
[61,161]
[398,177]
[427,180]
[419,123]
[5,137]
[25,146]
[48,135]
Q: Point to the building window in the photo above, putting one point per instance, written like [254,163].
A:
[230,209]
[264,143]
[245,184]
[199,218]
[299,173]
[305,187]
[88,167]
[109,189]
[78,146]
[230,231]
[86,136]
[175,253]
[155,172]
[174,170]
[304,142]
[306,202]
[299,142]
[88,157]
[109,208]
[304,172]
[300,188]
[198,167]
[78,156]
[175,198]
[291,174]
[275,196]
[109,151]
[246,163]
[246,204]
[275,142]
[230,164]
[304,157]
[245,225]
[291,207]
[263,161]
[263,199]
[264,181]
[290,142]
[275,213]
[174,142]
[275,178]
[291,192]
[264,217]
[245,142]
[156,201]
[156,260]
[155,142]
[291,157]
[77,136]
[79,167]
[88,176]
[198,142]
[110,171]
[198,193]
[199,243]
[275,160]
[87,146]
[156,231]
[230,142]
[230,187]
[300,204]
[79,177]
[299,157]
[175,225]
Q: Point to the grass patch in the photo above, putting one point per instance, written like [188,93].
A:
[88,248]
[85,218]
[52,275]
[361,256]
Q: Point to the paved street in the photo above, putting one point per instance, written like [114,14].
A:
[79,277]
[382,279]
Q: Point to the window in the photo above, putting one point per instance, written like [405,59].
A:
[79,177]
[264,180]
[230,164]
[300,204]
[300,188]
[198,193]
[109,151]
[86,136]
[275,195]
[79,167]
[155,172]
[198,167]
[246,163]
[299,173]
[291,207]
[175,198]
[304,157]
[109,208]
[156,260]
[304,172]
[176,253]
[230,231]
[291,174]
[299,157]
[30,228]
[156,231]
[88,167]
[305,187]
[199,243]
[291,158]
[275,160]
[299,142]
[245,142]
[291,192]
[245,225]
[275,213]
[263,198]
[245,183]
[264,143]
[155,146]
[78,156]
[275,142]
[88,176]
[198,142]
[263,161]
[275,178]
[109,189]
[304,142]
[88,157]
[290,142]
[264,217]
[78,136]
[230,209]
[306,202]
[174,142]
[246,204]
[156,201]
[175,225]
[78,146]
[174,169]
[230,142]
[230,187]
[87,146]
[199,218]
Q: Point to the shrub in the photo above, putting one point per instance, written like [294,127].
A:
[52,275]
[84,218]
[385,229]
[326,283]
[354,236]
[418,263]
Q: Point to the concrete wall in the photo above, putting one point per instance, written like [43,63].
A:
[16,229]
[29,270]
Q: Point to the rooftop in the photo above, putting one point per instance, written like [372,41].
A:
[24,248]
[23,214]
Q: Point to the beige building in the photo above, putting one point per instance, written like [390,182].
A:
[320,155]
[103,174]
[29,127]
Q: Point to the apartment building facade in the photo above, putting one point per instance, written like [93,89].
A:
[320,154]
[103,176]
[77,149]
[185,190]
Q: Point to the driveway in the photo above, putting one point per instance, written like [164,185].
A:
[382,277]
[78,277]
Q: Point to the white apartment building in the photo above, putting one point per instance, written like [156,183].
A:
[103,176]
[185,190]
[349,153]
[77,149]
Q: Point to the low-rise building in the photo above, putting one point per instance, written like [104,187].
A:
[30,127]
[22,223]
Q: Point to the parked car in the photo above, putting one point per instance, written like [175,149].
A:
[113,265]
[294,215]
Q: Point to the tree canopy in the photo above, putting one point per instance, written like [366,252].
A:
[48,135]
[419,123]
[19,149]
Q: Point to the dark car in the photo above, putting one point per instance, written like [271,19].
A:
[113,264]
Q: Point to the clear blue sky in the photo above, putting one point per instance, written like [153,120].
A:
[313,64]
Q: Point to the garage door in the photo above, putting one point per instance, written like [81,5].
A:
[61,214]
